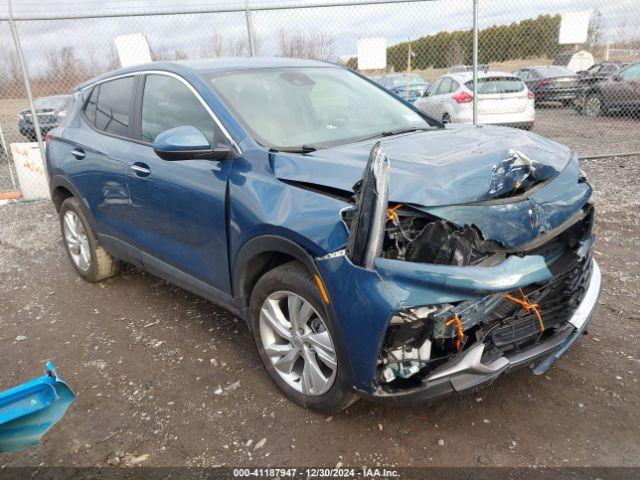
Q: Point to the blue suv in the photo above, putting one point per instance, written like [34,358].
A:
[371,250]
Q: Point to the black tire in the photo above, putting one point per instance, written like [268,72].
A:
[446,118]
[295,277]
[102,265]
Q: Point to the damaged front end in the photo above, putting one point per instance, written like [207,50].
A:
[480,288]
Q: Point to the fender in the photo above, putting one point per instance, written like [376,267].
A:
[262,244]
[62,181]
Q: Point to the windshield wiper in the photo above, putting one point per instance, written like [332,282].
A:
[391,133]
[300,149]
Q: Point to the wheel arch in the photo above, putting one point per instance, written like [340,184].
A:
[61,189]
[261,254]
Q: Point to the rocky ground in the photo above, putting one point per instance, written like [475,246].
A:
[164,378]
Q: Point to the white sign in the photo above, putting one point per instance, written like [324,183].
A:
[574,27]
[132,49]
[372,53]
[30,170]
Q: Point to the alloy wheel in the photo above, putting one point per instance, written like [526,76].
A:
[77,240]
[593,106]
[296,340]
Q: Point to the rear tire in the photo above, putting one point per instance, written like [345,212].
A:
[446,118]
[89,259]
[288,347]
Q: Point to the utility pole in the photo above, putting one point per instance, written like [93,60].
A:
[409,55]
[247,14]
[475,62]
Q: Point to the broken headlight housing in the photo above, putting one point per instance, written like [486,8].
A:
[410,346]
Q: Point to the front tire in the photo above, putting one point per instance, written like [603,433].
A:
[593,106]
[89,259]
[297,341]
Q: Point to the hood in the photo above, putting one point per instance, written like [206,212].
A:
[454,165]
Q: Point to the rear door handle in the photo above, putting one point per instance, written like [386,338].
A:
[141,169]
[78,153]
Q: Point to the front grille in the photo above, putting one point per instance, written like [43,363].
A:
[510,327]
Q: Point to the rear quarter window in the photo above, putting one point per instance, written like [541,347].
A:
[90,107]
[112,106]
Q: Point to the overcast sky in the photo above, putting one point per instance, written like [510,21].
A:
[397,22]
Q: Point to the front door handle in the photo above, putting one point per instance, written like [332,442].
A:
[78,153]
[141,169]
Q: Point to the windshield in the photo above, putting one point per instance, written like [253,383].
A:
[497,85]
[554,71]
[51,102]
[314,107]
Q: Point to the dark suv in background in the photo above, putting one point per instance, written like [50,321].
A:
[50,111]
[620,92]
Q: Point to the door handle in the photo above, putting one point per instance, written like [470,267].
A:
[78,153]
[141,169]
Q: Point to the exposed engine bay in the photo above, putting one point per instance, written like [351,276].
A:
[419,340]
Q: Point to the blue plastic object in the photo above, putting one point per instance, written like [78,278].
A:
[29,410]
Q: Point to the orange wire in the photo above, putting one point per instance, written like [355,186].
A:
[459,329]
[392,214]
[529,307]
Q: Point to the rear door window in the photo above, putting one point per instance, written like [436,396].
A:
[169,103]
[113,106]
[444,86]
[497,85]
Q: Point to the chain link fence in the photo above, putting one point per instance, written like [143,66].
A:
[429,58]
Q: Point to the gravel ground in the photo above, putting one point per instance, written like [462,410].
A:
[147,361]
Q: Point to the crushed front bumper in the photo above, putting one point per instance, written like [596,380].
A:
[466,372]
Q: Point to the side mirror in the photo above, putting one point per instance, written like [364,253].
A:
[616,77]
[187,143]
[426,92]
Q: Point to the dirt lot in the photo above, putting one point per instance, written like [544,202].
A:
[146,359]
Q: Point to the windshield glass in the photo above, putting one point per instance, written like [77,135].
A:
[497,85]
[51,102]
[315,107]
[554,71]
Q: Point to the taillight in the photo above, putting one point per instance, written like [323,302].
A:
[530,95]
[462,97]
[47,139]
[544,81]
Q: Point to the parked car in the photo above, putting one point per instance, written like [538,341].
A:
[372,250]
[502,100]
[600,71]
[50,112]
[483,67]
[407,86]
[550,83]
[619,93]
[597,73]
